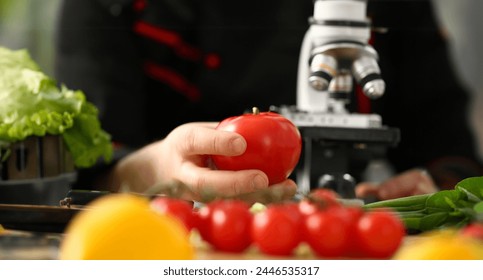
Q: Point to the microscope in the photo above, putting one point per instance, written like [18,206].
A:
[335,57]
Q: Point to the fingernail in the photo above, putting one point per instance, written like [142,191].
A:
[238,145]
[259,182]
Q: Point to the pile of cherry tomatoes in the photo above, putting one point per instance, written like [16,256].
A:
[330,228]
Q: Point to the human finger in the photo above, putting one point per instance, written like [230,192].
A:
[411,182]
[195,140]
[279,192]
[206,181]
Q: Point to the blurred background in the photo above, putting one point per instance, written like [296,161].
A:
[30,24]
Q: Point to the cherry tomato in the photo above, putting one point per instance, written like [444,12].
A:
[351,214]
[325,197]
[203,219]
[473,230]
[278,229]
[273,145]
[230,226]
[180,209]
[307,207]
[379,234]
[328,232]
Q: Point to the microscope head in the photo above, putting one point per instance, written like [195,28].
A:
[337,51]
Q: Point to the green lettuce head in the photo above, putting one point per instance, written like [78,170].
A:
[31,104]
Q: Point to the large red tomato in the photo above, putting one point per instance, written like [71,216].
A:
[273,144]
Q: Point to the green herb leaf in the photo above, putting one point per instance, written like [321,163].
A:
[433,221]
[472,187]
[443,201]
[478,207]
[446,208]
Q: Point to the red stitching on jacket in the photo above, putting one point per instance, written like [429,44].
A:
[172,79]
[139,5]
[169,38]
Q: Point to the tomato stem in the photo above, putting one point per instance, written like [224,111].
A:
[255,111]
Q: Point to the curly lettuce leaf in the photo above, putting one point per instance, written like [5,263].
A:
[31,104]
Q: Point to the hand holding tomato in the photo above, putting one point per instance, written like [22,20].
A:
[273,145]
[182,156]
